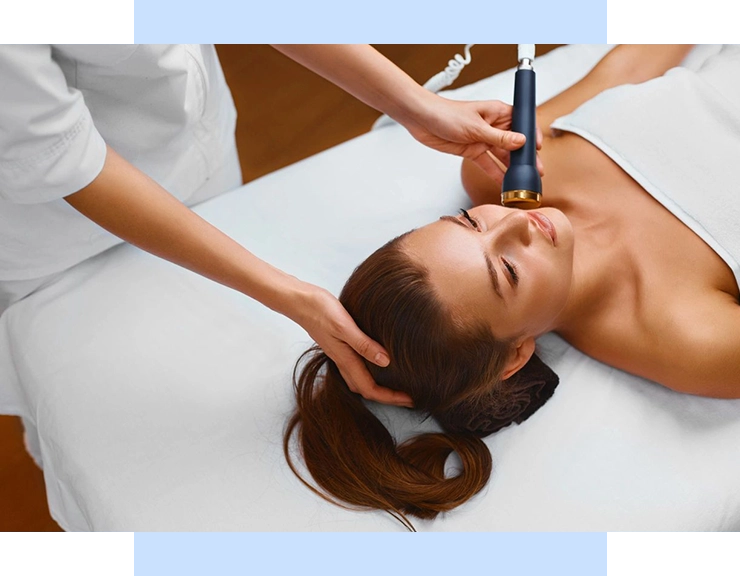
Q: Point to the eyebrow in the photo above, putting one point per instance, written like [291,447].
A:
[489,264]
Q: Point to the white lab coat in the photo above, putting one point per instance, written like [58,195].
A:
[166,109]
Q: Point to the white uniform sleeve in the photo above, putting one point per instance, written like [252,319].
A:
[49,147]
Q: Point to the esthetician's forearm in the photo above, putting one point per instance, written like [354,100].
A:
[129,204]
[366,74]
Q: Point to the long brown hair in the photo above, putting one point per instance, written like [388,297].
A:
[451,372]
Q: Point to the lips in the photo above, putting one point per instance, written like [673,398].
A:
[545,226]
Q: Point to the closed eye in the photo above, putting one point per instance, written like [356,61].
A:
[470,219]
[512,271]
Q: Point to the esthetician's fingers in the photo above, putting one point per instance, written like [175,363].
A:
[334,330]
[473,130]
[355,372]
[502,158]
[359,381]
[503,139]
[498,115]
[464,128]
[495,166]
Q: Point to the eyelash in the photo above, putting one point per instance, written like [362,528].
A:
[512,270]
[470,219]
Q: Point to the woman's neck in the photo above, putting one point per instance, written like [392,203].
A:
[603,271]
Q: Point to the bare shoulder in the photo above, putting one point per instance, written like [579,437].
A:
[689,345]
[694,346]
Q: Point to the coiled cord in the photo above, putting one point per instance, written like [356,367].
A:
[437,82]
[449,75]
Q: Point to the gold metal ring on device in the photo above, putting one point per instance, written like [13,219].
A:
[521,199]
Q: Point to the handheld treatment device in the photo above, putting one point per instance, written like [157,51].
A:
[522,186]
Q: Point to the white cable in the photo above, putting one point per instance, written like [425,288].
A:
[440,80]
[449,75]
[525,51]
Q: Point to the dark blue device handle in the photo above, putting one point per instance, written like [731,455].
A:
[522,173]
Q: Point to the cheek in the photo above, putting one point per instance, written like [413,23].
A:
[551,284]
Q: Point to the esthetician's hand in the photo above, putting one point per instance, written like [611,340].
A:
[473,130]
[332,328]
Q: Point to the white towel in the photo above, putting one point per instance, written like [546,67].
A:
[678,136]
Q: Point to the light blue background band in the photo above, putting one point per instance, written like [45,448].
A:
[378,554]
[380,21]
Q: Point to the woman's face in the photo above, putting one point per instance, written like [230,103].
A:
[511,268]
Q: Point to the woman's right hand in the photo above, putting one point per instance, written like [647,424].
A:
[332,328]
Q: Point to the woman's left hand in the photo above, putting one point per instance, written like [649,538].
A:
[470,130]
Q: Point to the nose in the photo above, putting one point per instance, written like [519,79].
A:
[514,227]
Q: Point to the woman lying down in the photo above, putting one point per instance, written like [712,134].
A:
[632,259]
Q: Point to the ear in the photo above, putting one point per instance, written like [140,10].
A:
[519,357]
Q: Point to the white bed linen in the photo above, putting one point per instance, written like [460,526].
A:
[159,398]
